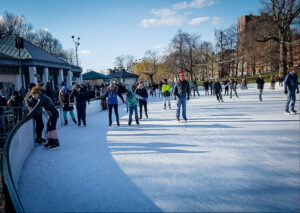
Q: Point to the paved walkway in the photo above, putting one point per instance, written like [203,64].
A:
[241,155]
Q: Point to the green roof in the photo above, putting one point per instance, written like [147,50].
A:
[92,75]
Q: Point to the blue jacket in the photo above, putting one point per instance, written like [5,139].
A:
[291,82]
[112,96]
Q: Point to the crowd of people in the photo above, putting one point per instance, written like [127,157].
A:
[41,100]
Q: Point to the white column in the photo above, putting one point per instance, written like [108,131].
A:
[19,81]
[80,78]
[46,76]
[60,77]
[32,75]
[69,79]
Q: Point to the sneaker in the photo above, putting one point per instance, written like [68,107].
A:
[292,110]
[47,145]
[287,112]
[54,146]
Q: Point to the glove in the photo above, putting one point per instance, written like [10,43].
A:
[297,91]
[285,91]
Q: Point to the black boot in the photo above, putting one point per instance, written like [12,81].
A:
[47,145]
[74,120]
[66,122]
[55,144]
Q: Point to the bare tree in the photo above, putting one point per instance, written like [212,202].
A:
[281,15]
[185,51]
[151,61]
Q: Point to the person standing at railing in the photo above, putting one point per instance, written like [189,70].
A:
[64,98]
[38,116]
[80,95]
[46,103]
[16,102]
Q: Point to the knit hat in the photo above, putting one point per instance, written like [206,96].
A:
[180,74]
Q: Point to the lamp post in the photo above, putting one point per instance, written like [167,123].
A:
[76,47]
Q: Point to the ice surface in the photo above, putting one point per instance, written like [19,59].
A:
[238,156]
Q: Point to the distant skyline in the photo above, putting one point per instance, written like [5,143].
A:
[110,28]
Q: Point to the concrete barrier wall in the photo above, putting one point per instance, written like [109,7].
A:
[21,145]
[23,141]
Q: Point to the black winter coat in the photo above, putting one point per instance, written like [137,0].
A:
[64,99]
[182,89]
[80,96]
[217,87]
[141,92]
[46,102]
[260,83]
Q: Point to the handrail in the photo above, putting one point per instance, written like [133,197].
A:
[11,195]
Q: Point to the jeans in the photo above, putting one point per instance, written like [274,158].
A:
[260,94]
[115,106]
[234,93]
[291,99]
[167,98]
[131,109]
[66,114]
[81,115]
[181,102]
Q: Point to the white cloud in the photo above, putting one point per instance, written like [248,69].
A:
[193,4]
[46,29]
[199,20]
[84,52]
[1,19]
[205,19]
[163,12]
[163,17]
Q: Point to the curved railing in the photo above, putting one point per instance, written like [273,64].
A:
[13,203]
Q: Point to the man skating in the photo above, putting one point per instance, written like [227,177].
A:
[260,86]
[166,93]
[182,94]
[218,90]
[290,88]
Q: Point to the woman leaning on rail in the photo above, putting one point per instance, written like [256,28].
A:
[45,102]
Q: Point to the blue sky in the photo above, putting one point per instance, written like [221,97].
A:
[109,28]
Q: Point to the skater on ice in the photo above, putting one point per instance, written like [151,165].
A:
[142,96]
[112,101]
[260,86]
[182,94]
[132,106]
[166,93]
[290,89]
[218,90]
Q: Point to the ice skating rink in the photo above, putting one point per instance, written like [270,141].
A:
[238,156]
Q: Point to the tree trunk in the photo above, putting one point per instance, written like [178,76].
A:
[282,58]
